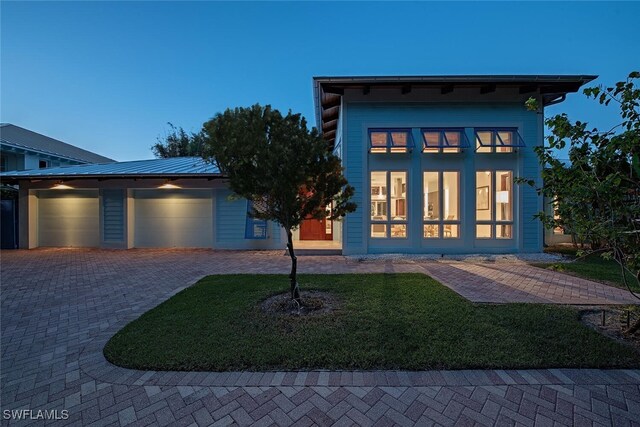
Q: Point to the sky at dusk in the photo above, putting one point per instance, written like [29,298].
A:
[108,76]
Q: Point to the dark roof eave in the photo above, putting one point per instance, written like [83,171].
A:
[468,79]
[553,86]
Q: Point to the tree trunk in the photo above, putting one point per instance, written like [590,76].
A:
[293,277]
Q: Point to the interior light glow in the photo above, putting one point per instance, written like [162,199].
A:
[502,196]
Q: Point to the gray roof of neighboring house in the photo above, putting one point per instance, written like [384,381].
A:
[21,138]
[175,167]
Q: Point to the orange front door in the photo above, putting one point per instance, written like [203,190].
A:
[314,229]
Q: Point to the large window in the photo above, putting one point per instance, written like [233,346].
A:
[389,204]
[490,140]
[441,211]
[390,140]
[494,208]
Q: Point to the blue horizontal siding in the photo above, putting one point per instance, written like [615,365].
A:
[230,220]
[113,221]
[361,116]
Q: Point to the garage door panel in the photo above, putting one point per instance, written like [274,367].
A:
[173,219]
[161,210]
[68,219]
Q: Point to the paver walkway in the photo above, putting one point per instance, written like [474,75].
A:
[60,306]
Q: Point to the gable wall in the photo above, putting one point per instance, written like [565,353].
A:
[359,116]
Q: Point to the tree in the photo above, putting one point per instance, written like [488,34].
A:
[178,143]
[285,169]
[597,194]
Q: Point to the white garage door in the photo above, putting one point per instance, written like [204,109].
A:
[173,218]
[68,218]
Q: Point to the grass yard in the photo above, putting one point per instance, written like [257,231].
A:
[594,267]
[386,321]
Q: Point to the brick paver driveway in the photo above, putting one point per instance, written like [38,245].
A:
[59,307]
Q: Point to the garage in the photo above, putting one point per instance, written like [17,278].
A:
[173,218]
[177,202]
[68,218]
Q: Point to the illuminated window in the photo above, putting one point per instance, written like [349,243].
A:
[441,210]
[494,208]
[390,140]
[556,216]
[388,208]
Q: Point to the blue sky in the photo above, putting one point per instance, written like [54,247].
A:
[109,76]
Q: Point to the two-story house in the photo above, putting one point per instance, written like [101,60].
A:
[432,158]
[22,149]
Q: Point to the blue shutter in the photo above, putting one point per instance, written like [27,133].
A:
[113,215]
[254,228]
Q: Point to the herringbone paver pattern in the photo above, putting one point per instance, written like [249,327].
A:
[60,306]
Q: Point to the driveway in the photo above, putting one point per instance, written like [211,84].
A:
[60,306]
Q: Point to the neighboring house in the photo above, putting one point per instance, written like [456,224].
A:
[22,149]
[432,160]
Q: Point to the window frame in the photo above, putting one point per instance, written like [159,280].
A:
[389,222]
[440,148]
[251,223]
[441,222]
[494,223]
[497,141]
[389,147]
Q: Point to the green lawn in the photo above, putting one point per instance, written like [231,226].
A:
[387,321]
[594,267]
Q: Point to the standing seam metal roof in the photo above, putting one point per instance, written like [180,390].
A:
[176,166]
[18,137]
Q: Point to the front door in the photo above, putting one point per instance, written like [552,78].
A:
[316,229]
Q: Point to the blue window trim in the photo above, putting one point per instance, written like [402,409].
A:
[254,228]
[496,141]
[443,142]
[390,143]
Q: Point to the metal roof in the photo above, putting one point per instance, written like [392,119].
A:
[23,139]
[175,167]
[328,91]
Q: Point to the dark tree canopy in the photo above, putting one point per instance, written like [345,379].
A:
[597,194]
[178,143]
[275,161]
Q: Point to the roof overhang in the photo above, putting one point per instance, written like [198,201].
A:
[328,91]
[103,177]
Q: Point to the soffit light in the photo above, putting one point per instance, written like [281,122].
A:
[61,186]
[168,185]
